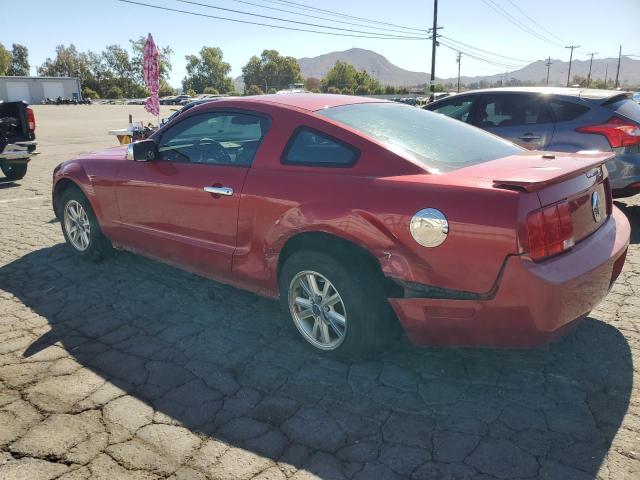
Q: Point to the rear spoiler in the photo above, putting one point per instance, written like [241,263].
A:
[536,177]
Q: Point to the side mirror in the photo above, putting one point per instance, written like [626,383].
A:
[142,151]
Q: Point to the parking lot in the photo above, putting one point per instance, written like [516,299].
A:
[129,369]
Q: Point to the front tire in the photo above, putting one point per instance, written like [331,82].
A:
[14,171]
[339,308]
[80,226]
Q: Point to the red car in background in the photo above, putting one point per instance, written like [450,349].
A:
[360,215]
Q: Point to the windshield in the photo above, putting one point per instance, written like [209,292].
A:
[436,142]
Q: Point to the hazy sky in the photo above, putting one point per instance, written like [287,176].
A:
[595,25]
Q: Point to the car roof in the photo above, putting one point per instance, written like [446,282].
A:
[587,93]
[306,101]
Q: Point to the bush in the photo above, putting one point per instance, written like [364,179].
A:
[315,90]
[211,91]
[390,90]
[115,92]
[89,93]
[347,91]
[272,90]
[333,90]
[362,90]
[254,90]
[191,92]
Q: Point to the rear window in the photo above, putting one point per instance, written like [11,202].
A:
[436,142]
[566,111]
[627,108]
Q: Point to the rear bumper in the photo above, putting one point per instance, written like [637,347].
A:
[534,302]
[19,152]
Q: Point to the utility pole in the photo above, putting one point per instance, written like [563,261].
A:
[434,44]
[548,64]
[590,63]
[570,60]
[458,57]
[618,70]
[606,72]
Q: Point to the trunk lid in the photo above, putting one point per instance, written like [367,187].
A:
[580,179]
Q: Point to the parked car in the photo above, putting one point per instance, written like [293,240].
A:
[178,99]
[17,138]
[559,119]
[167,99]
[636,97]
[356,213]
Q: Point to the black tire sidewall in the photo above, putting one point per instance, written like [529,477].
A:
[368,312]
[14,171]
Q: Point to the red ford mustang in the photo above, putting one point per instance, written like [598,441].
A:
[361,215]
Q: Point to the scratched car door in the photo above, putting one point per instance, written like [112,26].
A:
[183,206]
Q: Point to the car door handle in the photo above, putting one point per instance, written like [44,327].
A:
[529,136]
[226,191]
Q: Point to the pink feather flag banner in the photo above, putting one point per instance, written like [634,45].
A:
[151,72]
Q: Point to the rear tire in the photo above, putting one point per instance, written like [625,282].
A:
[339,308]
[80,226]
[14,172]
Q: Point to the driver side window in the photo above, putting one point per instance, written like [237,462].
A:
[214,138]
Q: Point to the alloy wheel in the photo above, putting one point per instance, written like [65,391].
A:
[318,310]
[77,226]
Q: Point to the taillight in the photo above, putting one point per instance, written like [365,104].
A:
[31,120]
[548,231]
[619,132]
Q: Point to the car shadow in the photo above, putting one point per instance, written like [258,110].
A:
[6,183]
[632,211]
[226,364]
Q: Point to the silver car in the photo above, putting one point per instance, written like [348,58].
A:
[559,119]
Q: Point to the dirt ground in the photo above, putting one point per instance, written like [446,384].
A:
[129,369]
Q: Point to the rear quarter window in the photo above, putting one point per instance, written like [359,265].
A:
[308,147]
[627,108]
[566,111]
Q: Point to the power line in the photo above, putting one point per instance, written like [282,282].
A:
[479,58]
[322,18]
[281,27]
[503,13]
[538,24]
[338,14]
[486,51]
[268,17]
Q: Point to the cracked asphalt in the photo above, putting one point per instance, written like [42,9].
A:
[129,369]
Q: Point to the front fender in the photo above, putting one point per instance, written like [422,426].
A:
[73,173]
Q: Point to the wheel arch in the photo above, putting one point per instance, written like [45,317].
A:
[62,186]
[339,247]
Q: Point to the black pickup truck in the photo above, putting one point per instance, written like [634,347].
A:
[17,138]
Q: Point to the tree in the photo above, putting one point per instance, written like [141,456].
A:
[312,83]
[65,64]
[211,91]
[349,80]
[19,61]
[191,92]
[166,90]
[271,70]
[89,93]
[254,90]
[115,92]
[341,75]
[390,90]
[5,60]
[207,70]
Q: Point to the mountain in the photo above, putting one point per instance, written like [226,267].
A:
[536,72]
[374,63]
[389,74]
